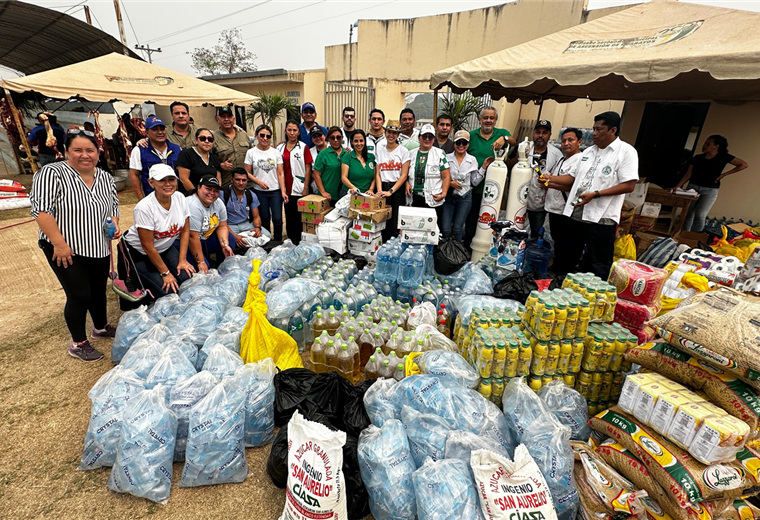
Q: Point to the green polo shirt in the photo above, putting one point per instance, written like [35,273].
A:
[180,140]
[481,148]
[360,176]
[233,149]
[328,164]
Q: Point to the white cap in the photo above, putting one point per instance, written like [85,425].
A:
[427,129]
[161,171]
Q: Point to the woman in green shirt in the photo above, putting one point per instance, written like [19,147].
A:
[328,164]
[358,169]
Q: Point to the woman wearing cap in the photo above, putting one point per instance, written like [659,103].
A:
[296,161]
[160,218]
[197,161]
[71,201]
[464,175]
[210,237]
[358,166]
[428,174]
[328,165]
[264,166]
[391,171]
[320,143]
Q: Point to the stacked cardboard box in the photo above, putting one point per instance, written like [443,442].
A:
[418,225]
[369,216]
[313,209]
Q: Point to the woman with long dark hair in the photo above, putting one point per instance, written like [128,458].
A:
[704,175]
[358,166]
[296,162]
[263,163]
[197,161]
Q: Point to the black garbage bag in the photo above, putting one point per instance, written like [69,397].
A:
[449,256]
[355,417]
[516,286]
[327,396]
[360,261]
[292,387]
[357,499]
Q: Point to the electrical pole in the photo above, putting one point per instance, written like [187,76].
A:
[148,50]
[121,27]
[87,14]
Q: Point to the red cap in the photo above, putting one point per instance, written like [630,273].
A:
[414,299]
[443,322]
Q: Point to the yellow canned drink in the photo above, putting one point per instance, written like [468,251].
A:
[592,354]
[552,358]
[582,384]
[535,383]
[566,350]
[595,387]
[524,358]
[499,360]
[604,391]
[540,353]
[485,388]
[576,357]
[569,380]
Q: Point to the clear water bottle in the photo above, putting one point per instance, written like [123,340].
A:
[411,268]
[109,226]
[295,329]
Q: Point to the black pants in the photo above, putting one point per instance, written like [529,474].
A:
[562,234]
[599,242]
[396,200]
[84,282]
[293,225]
[471,223]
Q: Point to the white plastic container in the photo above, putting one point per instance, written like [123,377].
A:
[493,192]
[517,196]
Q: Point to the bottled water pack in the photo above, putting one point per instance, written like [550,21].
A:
[186,345]
[445,489]
[181,399]
[221,361]
[166,306]
[378,403]
[448,365]
[172,367]
[142,357]
[132,324]
[521,406]
[426,434]
[460,444]
[258,381]
[569,407]
[222,335]
[233,287]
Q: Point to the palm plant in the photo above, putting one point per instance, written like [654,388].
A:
[269,107]
[460,107]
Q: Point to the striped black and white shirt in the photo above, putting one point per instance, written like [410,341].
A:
[80,212]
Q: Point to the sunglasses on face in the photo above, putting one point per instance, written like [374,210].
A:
[76,131]
[349,116]
[461,142]
[336,138]
[206,138]
[265,136]
[427,136]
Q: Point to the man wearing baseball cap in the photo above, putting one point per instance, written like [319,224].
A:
[319,139]
[210,237]
[428,173]
[230,143]
[158,151]
[309,116]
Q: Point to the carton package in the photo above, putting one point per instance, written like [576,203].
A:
[638,195]
[363,236]
[367,202]
[356,246]
[369,226]
[410,236]
[691,238]
[313,204]
[332,235]
[419,219]
[651,209]
[314,218]
[310,229]
[309,238]
[380,215]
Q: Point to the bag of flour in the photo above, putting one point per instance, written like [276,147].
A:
[316,486]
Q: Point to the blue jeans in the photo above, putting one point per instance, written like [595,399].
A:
[212,251]
[455,210]
[270,208]
[536,219]
[695,217]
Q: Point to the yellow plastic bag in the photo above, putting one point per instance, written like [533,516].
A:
[625,247]
[668,304]
[695,281]
[260,340]
[410,367]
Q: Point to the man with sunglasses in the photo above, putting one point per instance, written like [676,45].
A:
[158,151]
[349,127]
[230,144]
[309,116]
[428,174]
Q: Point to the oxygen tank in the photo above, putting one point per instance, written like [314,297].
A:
[517,198]
[493,191]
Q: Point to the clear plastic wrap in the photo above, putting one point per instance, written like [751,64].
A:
[569,407]
[288,297]
[423,314]
[234,318]
[233,287]
[465,304]
[521,406]
[378,403]
[109,396]
[132,324]
[199,278]
[202,317]
[166,306]
[221,361]
[229,339]
[445,489]
[477,282]
[171,368]
[256,253]
[448,365]
[437,340]
[235,263]
[460,444]
[196,292]
[142,357]
[426,433]
[186,345]
[303,255]
[258,381]
[181,399]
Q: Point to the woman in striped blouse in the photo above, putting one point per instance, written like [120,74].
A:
[71,201]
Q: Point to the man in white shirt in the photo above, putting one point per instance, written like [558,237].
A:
[409,136]
[607,171]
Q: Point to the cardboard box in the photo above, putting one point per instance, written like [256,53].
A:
[332,235]
[372,227]
[363,236]
[691,239]
[420,219]
[314,218]
[309,238]
[380,215]
[651,209]
[646,223]
[644,239]
[367,202]
[413,236]
[356,246]
[310,229]
[313,204]
[638,196]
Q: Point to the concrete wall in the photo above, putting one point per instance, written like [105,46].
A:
[337,60]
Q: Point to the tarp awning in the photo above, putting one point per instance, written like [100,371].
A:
[116,77]
[661,50]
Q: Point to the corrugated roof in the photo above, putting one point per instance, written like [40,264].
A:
[34,39]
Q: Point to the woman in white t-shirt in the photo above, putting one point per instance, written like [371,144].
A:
[264,166]
[296,165]
[148,246]
[391,171]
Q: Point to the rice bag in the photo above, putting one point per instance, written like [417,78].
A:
[132,324]
[637,282]
[635,315]
[257,379]
[450,365]
[221,361]
[568,406]
[444,490]
[427,435]
[181,399]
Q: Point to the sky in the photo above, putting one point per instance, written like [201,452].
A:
[281,33]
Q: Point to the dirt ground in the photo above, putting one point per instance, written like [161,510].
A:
[44,408]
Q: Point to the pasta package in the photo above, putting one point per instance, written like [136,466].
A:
[637,282]
[635,315]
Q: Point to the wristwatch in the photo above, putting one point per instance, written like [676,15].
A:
[164,275]
[596,194]
[391,191]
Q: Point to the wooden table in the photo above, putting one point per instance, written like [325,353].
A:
[667,198]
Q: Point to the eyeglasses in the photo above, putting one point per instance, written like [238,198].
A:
[335,138]
[349,116]
[461,142]
[77,131]
[317,136]
[206,139]
[265,136]
[427,136]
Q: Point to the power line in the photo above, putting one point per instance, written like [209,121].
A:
[96,19]
[124,4]
[153,40]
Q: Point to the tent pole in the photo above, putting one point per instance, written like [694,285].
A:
[435,103]
[540,108]
[21,131]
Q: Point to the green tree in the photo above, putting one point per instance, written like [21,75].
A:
[460,107]
[269,108]
[228,55]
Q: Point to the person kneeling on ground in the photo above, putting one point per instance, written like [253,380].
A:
[210,238]
[159,218]
[242,209]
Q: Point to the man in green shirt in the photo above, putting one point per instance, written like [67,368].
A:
[182,132]
[483,142]
[327,166]
[230,144]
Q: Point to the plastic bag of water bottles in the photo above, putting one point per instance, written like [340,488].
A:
[460,444]
[142,357]
[109,396]
[221,361]
[172,367]
[258,381]
[426,433]
[215,451]
[186,345]
[234,318]
[202,317]
[521,406]
[378,403]
[182,397]
[465,304]
[478,282]
[158,332]
[256,253]
[196,292]
[143,465]
[199,278]
[132,324]
[287,298]
[233,287]
[230,339]
[166,306]
[423,314]
[548,442]
[426,394]
[235,263]
[569,407]
[437,340]
[304,254]
[386,466]
[445,489]
[448,365]
[170,322]
[476,414]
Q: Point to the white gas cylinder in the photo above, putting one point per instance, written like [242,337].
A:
[493,191]
[519,180]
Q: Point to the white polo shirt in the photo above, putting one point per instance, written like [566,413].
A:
[555,199]
[536,192]
[600,169]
